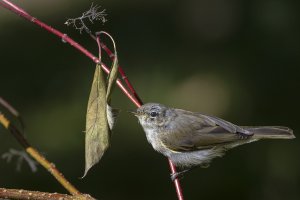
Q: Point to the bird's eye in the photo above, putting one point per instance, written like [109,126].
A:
[153,114]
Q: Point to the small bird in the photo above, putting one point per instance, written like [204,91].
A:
[191,139]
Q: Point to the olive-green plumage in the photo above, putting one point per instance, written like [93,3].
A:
[190,139]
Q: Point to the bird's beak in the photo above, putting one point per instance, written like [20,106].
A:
[133,112]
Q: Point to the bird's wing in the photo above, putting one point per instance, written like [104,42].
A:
[230,127]
[194,131]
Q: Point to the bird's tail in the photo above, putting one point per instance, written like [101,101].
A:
[271,132]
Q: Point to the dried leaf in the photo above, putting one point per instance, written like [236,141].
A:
[97,129]
[101,117]
[112,113]
[112,77]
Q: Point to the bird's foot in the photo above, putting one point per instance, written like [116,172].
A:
[178,175]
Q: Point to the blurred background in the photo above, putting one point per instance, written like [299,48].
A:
[238,60]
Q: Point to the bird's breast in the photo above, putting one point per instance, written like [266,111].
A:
[153,138]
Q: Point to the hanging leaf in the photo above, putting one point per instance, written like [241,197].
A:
[97,128]
[112,77]
[112,113]
[101,117]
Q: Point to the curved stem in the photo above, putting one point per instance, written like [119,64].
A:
[121,71]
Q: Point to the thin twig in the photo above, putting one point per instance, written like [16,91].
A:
[7,4]
[12,110]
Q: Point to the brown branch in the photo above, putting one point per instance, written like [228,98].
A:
[36,195]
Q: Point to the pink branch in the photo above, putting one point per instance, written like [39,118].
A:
[121,71]
[64,37]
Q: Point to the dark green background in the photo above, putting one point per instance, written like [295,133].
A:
[238,60]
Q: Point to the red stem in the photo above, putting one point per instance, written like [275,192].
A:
[135,99]
[176,181]
[121,71]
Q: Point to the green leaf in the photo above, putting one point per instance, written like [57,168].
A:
[97,128]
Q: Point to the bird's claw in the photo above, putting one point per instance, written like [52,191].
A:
[177,175]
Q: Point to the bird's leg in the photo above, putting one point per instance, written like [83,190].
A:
[179,175]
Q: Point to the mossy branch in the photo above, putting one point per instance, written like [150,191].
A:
[36,195]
